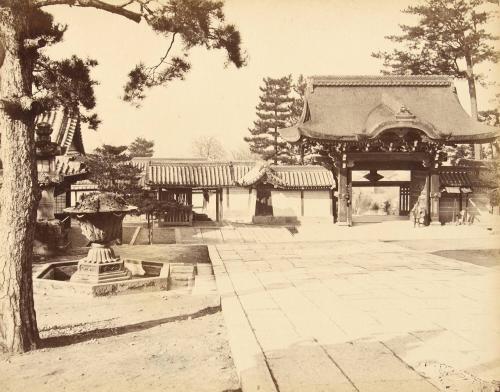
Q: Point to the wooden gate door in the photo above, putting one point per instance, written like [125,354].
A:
[404,200]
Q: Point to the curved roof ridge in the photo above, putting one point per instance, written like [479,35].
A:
[380,80]
[189,161]
[298,167]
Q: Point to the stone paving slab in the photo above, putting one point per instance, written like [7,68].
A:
[306,367]
[365,315]
[251,365]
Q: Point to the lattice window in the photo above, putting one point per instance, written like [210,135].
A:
[60,203]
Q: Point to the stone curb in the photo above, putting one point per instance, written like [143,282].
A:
[248,357]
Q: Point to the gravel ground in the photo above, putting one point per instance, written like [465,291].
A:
[163,341]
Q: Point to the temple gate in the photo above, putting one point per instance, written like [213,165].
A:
[385,123]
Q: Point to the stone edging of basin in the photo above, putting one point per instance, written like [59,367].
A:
[171,276]
[248,357]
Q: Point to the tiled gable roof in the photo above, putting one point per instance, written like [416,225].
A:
[66,129]
[208,174]
[196,174]
[347,107]
[69,166]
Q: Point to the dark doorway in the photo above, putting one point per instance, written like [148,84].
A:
[263,205]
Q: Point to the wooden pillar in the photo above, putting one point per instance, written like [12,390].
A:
[343,197]
[477,151]
[349,195]
[434,195]
[301,202]
[221,207]
[333,206]
[466,207]
[68,199]
[217,205]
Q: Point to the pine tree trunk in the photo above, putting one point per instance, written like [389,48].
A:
[472,87]
[275,145]
[18,200]
[473,100]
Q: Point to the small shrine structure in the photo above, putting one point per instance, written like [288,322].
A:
[376,123]
[59,164]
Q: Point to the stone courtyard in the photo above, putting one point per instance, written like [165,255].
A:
[307,308]
[362,315]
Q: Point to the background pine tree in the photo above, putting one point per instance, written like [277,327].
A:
[141,147]
[274,111]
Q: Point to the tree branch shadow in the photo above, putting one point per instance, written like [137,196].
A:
[67,340]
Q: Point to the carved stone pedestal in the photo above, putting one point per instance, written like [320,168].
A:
[101,265]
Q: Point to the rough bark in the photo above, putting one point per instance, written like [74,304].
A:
[472,87]
[97,4]
[18,197]
[473,100]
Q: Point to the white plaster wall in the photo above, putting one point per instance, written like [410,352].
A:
[317,203]
[286,203]
[241,205]
[210,208]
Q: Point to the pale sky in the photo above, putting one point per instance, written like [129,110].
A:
[309,37]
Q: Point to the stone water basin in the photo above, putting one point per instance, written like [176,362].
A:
[165,267]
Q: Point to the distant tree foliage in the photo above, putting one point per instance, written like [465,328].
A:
[299,87]
[492,176]
[111,169]
[304,151]
[280,106]
[55,83]
[459,152]
[208,147]
[492,116]
[449,38]
[243,153]
[141,147]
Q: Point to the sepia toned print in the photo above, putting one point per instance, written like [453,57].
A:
[249,195]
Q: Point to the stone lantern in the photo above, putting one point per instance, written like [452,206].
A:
[100,216]
[49,231]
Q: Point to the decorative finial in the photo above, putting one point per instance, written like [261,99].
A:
[404,113]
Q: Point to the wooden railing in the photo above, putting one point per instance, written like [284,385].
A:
[177,217]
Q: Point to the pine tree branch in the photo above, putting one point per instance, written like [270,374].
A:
[126,4]
[98,4]
[162,60]
[34,43]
